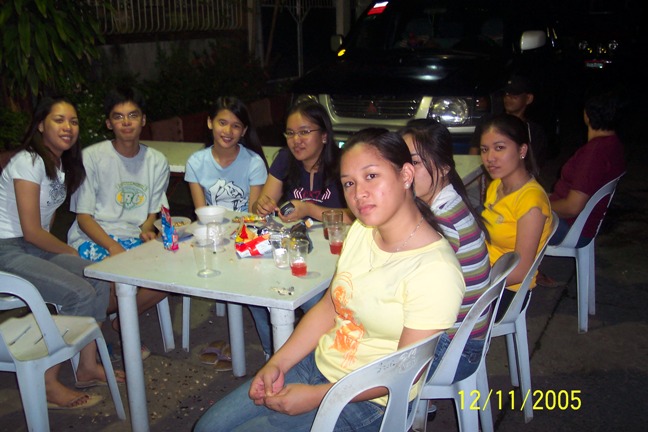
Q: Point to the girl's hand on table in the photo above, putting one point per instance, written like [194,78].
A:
[265,206]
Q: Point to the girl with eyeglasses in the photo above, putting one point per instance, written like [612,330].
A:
[305,173]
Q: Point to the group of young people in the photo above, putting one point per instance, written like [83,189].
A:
[410,216]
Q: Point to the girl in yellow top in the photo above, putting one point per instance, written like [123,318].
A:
[516,209]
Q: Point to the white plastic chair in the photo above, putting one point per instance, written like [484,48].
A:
[441,385]
[34,343]
[513,326]
[584,256]
[397,372]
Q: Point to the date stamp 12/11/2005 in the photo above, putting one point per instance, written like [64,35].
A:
[543,400]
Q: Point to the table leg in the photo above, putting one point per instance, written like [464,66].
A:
[132,356]
[283,323]
[237,338]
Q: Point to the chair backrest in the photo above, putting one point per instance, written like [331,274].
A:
[19,287]
[515,307]
[572,237]
[447,368]
[397,372]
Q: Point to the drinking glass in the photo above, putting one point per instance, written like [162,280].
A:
[297,256]
[279,250]
[329,217]
[205,255]
[336,234]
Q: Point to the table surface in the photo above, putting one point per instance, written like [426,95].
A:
[251,280]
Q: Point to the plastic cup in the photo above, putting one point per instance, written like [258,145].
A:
[329,217]
[279,250]
[205,255]
[216,232]
[298,257]
[336,234]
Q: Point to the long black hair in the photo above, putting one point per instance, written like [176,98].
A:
[71,159]
[236,106]
[517,131]
[329,158]
[433,143]
[392,148]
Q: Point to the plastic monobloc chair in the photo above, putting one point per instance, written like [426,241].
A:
[34,343]
[513,326]
[397,372]
[584,256]
[441,386]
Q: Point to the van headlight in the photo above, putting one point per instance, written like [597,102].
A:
[450,111]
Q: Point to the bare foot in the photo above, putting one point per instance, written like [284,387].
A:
[58,394]
[97,372]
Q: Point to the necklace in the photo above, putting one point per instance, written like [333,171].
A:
[398,249]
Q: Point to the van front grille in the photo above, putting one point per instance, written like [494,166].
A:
[378,108]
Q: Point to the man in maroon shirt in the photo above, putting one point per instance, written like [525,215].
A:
[598,162]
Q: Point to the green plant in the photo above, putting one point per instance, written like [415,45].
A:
[12,128]
[44,43]
[190,82]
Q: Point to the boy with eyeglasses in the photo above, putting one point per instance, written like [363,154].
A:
[123,193]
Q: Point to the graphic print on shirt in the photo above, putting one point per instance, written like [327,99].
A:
[350,331]
[57,193]
[131,195]
[226,193]
[315,195]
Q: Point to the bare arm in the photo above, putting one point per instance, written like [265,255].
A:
[197,195]
[148,228]
[571,206]
[27,202]
[527,239]
[268,198]
[311,209]
[255,193]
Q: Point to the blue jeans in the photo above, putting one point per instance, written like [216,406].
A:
[237,413]
[561,232]
[58,277]
[468,361]
[261,317]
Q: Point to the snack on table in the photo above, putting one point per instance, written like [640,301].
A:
[251,218]
[252,241]
[169,234]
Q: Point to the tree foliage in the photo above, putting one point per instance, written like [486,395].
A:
[44,44]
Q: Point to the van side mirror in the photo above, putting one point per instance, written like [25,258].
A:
[532,39]
[336,42]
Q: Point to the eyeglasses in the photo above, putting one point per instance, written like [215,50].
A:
[302,133]
[131,116]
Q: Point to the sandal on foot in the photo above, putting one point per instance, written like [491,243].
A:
[82,385]
[85,401]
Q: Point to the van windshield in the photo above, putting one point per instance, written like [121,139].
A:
[460,25]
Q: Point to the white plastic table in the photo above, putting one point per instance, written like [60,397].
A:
[243,281]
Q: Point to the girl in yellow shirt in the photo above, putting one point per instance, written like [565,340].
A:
[516,209]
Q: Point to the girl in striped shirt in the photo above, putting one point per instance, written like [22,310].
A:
[438,183]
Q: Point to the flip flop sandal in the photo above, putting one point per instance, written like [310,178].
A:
[85,401]
[215,351]
[224,363]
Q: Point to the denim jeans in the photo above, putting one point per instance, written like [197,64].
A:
[468,361]
[561,232]
[58,277]
[237,413]
[261,317]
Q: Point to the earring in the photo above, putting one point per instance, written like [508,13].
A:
[521,157]
[407,185]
